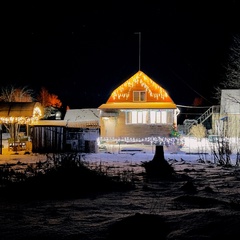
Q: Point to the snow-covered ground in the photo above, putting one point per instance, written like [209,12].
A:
[207,207]
[191,150]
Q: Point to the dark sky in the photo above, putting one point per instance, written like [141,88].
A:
[83,51]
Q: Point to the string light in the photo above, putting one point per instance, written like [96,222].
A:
[139,80]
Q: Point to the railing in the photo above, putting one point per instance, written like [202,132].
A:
[213,109]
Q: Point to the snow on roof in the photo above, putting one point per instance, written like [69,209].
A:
[80,115]
[75,118]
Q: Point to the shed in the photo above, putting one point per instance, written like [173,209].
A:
[78,131]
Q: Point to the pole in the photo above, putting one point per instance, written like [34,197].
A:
[139,63]
[139,50]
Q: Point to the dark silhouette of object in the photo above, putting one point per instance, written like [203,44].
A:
[158,167]
[189,187]
[139,226]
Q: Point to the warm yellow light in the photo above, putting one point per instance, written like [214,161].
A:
[37,114]
[105,118]
[142,80]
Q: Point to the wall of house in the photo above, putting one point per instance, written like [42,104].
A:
[82,139]
[228,123]
[233,128]
[115,127]
[56,139]
[48,139]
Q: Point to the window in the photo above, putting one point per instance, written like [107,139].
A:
[139,96]
[136,117]
[149,116]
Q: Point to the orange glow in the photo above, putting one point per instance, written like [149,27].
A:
[139,82]
[37,114]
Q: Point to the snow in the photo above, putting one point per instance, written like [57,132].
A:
[154,207]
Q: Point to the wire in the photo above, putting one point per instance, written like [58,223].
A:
[192,106]
[188,85]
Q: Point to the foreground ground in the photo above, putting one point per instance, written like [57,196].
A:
[205,204]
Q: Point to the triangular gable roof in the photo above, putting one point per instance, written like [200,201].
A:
[122,97]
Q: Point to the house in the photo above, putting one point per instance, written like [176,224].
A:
[225,118]
[138,108]
[228,122]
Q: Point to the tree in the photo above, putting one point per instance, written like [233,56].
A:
[16,94]
[49,101]
[232,76]
[198,101]
[174,132]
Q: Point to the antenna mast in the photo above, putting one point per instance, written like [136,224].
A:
[139,50]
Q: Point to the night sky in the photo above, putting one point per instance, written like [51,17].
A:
[82,52]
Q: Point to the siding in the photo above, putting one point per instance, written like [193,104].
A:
[48,139]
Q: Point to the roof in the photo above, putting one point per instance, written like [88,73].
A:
[18,109]
[80,115]
[133,105]
[56,123]
[75,118]
[122,97]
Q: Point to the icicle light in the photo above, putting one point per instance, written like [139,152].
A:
[137,81]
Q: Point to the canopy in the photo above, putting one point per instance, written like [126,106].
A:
[23,110]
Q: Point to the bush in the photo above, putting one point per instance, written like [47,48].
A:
[67,178]
[198,131]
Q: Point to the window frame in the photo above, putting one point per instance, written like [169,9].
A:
[149,117]
[139,96]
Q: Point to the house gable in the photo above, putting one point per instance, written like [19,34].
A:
[156,96]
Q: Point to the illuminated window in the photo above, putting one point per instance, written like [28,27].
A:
[149,117]
[139,96]
[152,117]
[164,117]
[134,117]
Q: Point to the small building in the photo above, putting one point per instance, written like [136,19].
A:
[138,108]
[77,132]
[83,129]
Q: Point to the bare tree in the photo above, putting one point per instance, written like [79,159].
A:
[16,94]
[232,76]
